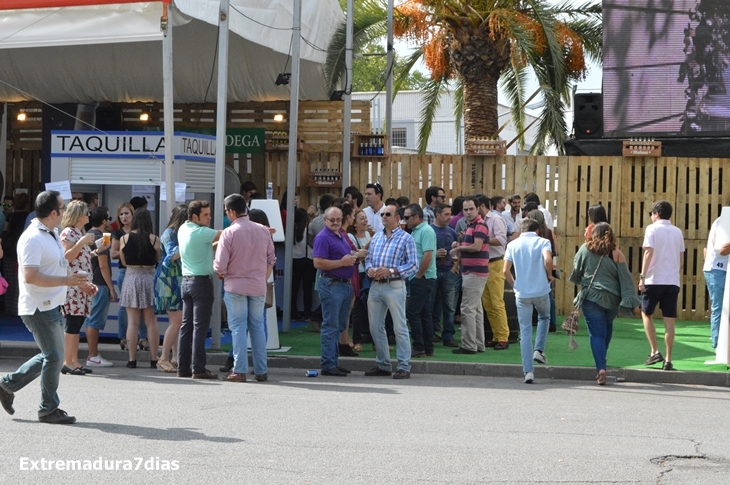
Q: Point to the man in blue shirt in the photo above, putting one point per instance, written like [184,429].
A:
[447,276]
[532,258]
[390,261]
[419,308]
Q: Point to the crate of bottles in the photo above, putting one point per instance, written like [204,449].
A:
[642,147]
[370,145]
[486,146]
[325,177]
[278,141]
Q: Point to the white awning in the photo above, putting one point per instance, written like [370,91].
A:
[114,52]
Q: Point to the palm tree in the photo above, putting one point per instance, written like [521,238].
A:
[480,44]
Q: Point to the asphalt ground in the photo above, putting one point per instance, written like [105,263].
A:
[432,428]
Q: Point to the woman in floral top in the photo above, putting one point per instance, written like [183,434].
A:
[77,246]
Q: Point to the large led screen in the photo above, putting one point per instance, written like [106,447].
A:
[666,67]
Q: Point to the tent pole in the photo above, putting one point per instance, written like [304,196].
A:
[168,117]
[389,80]
[220,156]
[347,115]
[291,176]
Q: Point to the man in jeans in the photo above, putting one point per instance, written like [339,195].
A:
[244,260]
[196,240]
[333,257]
[447,275]
[715,270]
[419,308]
[391,259]
[532,258]
[474,255]
[43,278]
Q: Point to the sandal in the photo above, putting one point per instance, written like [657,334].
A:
[357,348]
[123,344]
[165,366]
[143,344]
[74,372]
[601,377]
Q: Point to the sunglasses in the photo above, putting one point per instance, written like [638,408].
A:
[386,214]
[405,218]
[5,204]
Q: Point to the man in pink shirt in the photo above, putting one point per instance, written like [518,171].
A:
[244,260]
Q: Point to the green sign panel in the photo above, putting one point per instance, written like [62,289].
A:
[242,140]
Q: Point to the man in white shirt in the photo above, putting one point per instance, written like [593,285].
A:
[659,279]
[715,271]
[43,278]
[375,207]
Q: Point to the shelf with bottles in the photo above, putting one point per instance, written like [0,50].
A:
[373,145]
[642,147]
[325,177]
[278,141]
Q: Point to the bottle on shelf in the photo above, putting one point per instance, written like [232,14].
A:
[270,191]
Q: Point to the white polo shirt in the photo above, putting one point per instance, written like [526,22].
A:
[713,259]
[375,219]
[39,247]
[668,243]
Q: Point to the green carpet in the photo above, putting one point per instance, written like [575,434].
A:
[629,347]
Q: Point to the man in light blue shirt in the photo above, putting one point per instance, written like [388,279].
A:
[532,258]
[419,309]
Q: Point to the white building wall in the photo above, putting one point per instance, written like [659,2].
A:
[444,139]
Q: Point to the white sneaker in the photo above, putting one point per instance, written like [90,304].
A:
[98,361]
[539,357]
[529,377]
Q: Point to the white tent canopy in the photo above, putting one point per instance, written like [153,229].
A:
[114,52]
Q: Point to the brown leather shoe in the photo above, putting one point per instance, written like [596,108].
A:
[205,375]
[233,377]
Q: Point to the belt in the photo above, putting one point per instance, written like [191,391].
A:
[492,260]
[335,278]
[197,276]
[387,280]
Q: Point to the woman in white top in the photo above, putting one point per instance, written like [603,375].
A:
[360,236]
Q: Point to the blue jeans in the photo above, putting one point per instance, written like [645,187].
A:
[246,315]
[715,280]
[335,297]
[419,311]
[99,308]
[197,295]
[444,304]
[599,321]
[383,297]
[47,330]
[524,315]
[122,312]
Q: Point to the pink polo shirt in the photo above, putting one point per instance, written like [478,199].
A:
[245,250]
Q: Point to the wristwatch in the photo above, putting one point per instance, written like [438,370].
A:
[642,277]
[392,272]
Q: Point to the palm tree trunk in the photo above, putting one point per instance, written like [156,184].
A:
[480,106]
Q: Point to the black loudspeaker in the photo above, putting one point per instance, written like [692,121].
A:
[588,115]
[110,118]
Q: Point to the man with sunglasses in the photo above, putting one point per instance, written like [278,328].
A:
[434,196]
[375,207]
[43,277]
[390,261]
[334,258]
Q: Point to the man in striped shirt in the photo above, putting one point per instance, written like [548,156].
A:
[391,260]
[474,253]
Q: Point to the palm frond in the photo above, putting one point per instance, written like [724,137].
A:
[431,102]
[403,70]
[513,81]
[458,105]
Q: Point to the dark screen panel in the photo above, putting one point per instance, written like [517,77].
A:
[666,67]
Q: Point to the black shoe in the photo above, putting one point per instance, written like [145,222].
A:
[429,354]
[6,399]
[228,365]
[378,372]
[501,346]
[462,350]
[402,374]
[667,366]
[654,359]
[184,374]
[333,372]
[436,338]
[391,340]
[57,417]
[552,328]
[153,364]
[74,372]
[205,375]
[346,351]
[342,369]
[491,343]
[451,343]
[418,353]
[262,377]
[132,364]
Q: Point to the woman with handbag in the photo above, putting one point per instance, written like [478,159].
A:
[601,269]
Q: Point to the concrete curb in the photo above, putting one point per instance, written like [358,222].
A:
[281,361]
